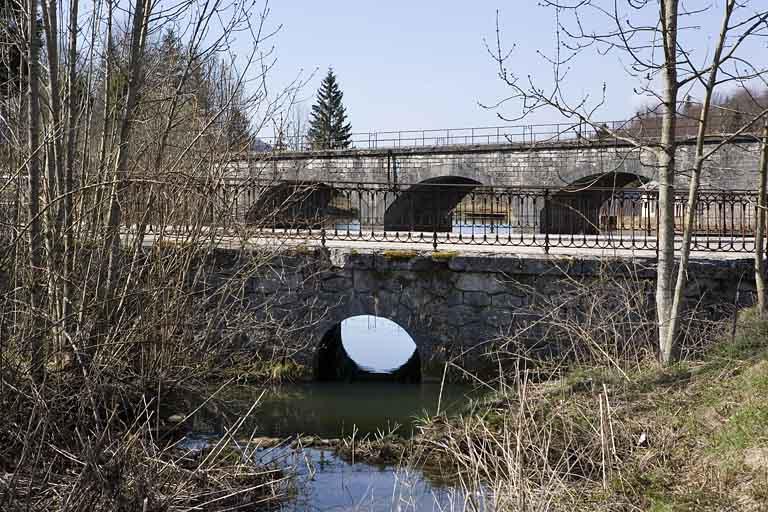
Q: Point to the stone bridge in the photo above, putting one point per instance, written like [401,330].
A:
[455,307]
[427,178]
[553,165]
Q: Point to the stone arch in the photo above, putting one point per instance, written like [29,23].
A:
[300,204]
[590,204]
[374,299]
[429,204]
[333,363]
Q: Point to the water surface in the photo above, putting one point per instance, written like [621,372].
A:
[335,409]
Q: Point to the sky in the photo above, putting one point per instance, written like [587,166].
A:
[375,343]
[422,64]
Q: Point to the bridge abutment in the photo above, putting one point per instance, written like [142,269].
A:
[456,307]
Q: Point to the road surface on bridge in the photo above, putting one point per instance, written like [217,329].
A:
[277,242]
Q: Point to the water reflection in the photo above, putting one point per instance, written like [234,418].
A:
[467,227]
[325,482]
[333,409]
[328,483]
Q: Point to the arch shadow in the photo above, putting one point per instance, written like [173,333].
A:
[333,363]
[583,206]
[428,205]
[300,204]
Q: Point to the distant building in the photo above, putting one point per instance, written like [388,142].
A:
[259,146]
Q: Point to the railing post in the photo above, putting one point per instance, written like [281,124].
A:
[657,222]
[546,221]
[435,221]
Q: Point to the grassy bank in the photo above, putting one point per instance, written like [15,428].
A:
[693,436]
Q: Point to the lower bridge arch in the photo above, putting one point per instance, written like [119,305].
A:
[341,357]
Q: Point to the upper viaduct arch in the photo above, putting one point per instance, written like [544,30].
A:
[428,205]
[582,207]
[566,175]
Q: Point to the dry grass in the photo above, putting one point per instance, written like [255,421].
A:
[105,449]
[620,437]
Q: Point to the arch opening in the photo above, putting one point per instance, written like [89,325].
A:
[428,205]
[299,204]
[367,348]
[596,204]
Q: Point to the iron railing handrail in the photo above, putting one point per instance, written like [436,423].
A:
[400,184]
[493,134]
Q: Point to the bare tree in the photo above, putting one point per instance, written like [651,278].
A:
[37,344]
[760,284]
[122,167]
[663,63]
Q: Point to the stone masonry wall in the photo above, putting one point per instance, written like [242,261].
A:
[733,167]
[451,305]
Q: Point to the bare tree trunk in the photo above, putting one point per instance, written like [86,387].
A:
[667,165]
[105,127]
[668,343]
[760,229]
[56,185]
[112,245]
[68,184]
[37,340]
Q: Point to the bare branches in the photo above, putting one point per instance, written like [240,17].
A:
[133,122]
[661,43]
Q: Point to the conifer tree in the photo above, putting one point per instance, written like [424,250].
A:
[328,128]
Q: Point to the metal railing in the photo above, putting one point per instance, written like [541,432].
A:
[425,213]
[439,214]
[566,133]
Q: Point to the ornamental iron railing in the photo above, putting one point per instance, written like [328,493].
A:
[439,214]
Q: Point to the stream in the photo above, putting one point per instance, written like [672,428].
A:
[333,410]
[326,482]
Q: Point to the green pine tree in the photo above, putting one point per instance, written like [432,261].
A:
[328,126]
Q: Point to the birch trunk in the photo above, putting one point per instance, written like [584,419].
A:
[667,165]
[106,130]
[668,343]
[68,184]
[107,286]
[760,229]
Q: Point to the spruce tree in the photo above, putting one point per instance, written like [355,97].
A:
[328,126]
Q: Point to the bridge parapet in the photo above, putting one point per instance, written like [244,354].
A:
[557,164]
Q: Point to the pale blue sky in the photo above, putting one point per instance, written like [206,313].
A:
[422,63]
[376,344]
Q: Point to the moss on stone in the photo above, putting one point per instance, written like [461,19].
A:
[399,255]
[444,255]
